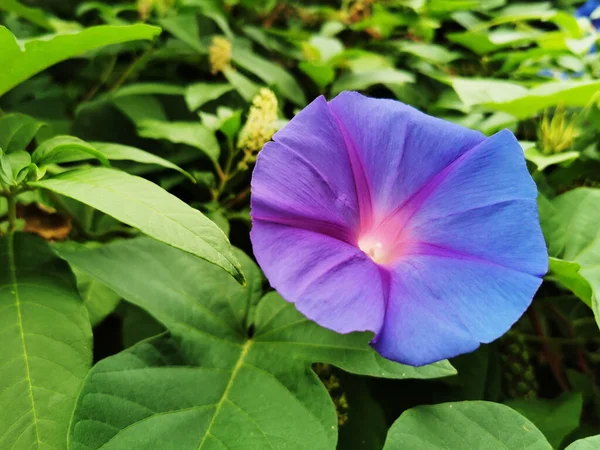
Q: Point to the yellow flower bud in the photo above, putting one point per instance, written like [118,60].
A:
[219,54]
[161,7]
[557,134]
[261,123]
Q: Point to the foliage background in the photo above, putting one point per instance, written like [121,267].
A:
[168,95]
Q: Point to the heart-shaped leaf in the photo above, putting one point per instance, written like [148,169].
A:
[233,373]
[464,425]
[46,344]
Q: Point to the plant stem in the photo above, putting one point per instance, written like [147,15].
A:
[12,212]
[127,72]
[106,73]
[551,358]
[238,198]
[224,173]
[581,355]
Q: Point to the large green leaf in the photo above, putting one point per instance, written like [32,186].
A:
[590,443]
[464,425]
[143,205]
[555,418]
[579,211]
[46,344]
[22,59]
[232,373]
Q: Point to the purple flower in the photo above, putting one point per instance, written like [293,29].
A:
[372,216]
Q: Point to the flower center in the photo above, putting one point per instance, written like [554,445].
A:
[376,249]
[386,242]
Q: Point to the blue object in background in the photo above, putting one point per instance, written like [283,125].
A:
[587,9]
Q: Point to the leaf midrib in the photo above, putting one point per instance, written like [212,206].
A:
[13,282]
[224,397]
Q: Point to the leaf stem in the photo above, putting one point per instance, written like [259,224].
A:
[224,173]
[129,70]
[12,213]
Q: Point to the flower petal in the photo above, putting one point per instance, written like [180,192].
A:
[331,282]
[492,172]
[444,305]
[506,234]
[483,206]
[400,148]
[304,178]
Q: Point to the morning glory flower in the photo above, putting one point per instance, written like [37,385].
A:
[369,215]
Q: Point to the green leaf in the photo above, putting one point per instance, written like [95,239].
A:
[141,107]
[6,171]
[17,131]
[321,73]
[567,274]
[189,133]
[482,42]
[364,80]
[429,52]
[62,149]
[543,161]
[149,89]
[553,227]
[554,418]
[478,376]
[99,300]
[464,425]
[270,73]
[590,443]
[242,84]
[198,94]
[325,47]
[497,95]
[579,211]
[118,152]
[143,205]
[475,91]
[14,167]
[138,325]
[46,344]
[34,15]
[26,58]
[219,378]
[213,10]
[185,28]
